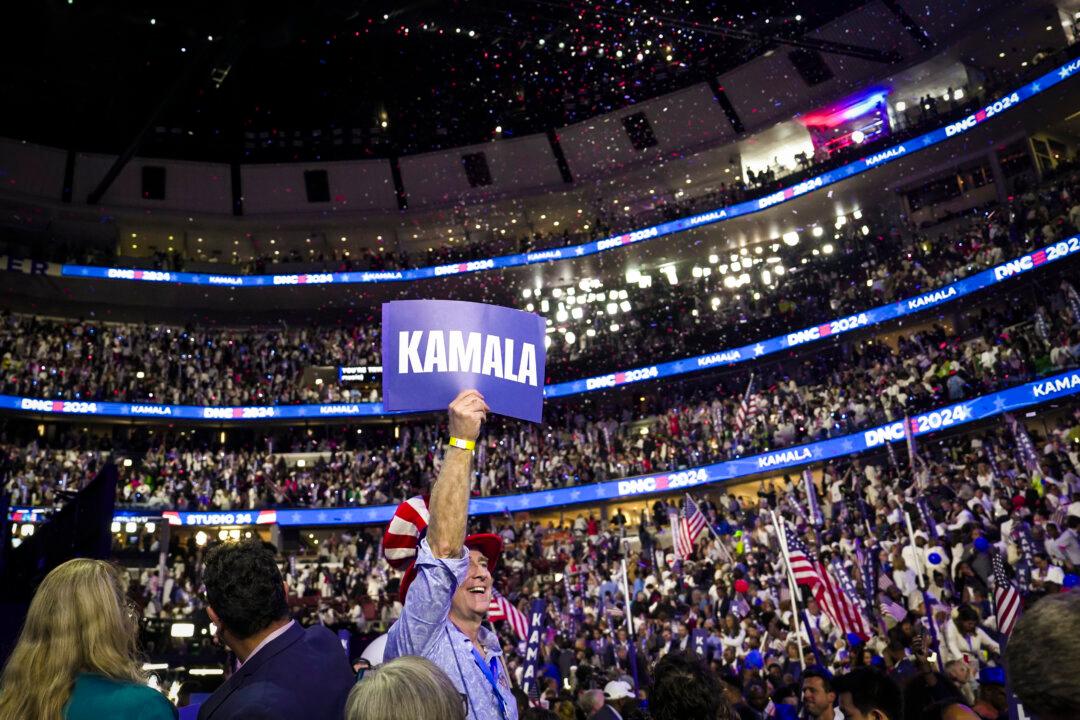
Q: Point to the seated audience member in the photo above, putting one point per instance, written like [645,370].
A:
[1043,658]
[406,687]
[867,694]
[818,695]
[991,702]
[683,687]
[284,670]
[931,695]
[76,656]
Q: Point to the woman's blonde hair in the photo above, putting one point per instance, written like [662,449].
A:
[78,622]
[406,687]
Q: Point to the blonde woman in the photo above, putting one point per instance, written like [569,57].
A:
[76,656]
[406,687]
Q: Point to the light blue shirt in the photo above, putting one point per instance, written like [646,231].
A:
[424,629]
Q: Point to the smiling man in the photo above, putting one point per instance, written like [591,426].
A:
[446,591]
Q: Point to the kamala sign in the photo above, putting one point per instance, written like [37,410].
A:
[434,349]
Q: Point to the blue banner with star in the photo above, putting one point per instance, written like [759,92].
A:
[720,358]
[952,416]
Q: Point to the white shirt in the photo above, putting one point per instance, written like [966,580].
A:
[266,641]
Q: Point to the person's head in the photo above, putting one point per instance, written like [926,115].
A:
[684,688]
[406,687]
[245,593]
[78,622]
[817,690]
[967,619]
[992,689]
[473,597]
[757,696]
[1043,659]
[591,701]
[868,694]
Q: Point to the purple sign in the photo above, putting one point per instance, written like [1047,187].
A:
[434,349]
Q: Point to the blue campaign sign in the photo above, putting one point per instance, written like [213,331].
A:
[727,357]
[1021,397]
[1002,104]
[434,349]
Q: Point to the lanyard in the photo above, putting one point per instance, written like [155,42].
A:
[489,672]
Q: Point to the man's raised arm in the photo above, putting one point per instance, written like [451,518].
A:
[449,505]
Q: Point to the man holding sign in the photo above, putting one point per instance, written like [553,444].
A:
[447,590]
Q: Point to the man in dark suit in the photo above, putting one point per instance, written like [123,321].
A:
[284,670]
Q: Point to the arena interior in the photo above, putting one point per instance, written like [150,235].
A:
[807,279]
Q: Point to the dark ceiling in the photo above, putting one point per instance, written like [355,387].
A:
[257,81]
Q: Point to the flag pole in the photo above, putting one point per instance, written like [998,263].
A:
[922,588]
[712,532]
[792,589]
[626,594]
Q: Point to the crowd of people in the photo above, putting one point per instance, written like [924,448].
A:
[158,363]
[1012,339]
[932,634]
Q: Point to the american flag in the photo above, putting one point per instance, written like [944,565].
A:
[503,609]
[1006,597]
[689,527]
[809,570]
[846,600]
[747,409]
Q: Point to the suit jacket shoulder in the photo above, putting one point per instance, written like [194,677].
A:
[302,674]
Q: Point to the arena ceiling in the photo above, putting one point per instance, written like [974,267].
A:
[335,79]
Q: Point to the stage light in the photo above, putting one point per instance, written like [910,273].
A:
[818,231]
[614,327]
[561,315]
[200,538]
[857,137]
[645,282]
[792,238]
[865,230]
[766,277]
[530,307]
[150,528]
[115,527]
[857,214]
[827,248]
[127,462]
[544,306]
[206,671]
[696,271]
[130,527]
[571,338]
[958,94]
[714,258]
[612,308]
[26,530]
[182,630]
[625,306]
[590,333]
[577,313]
